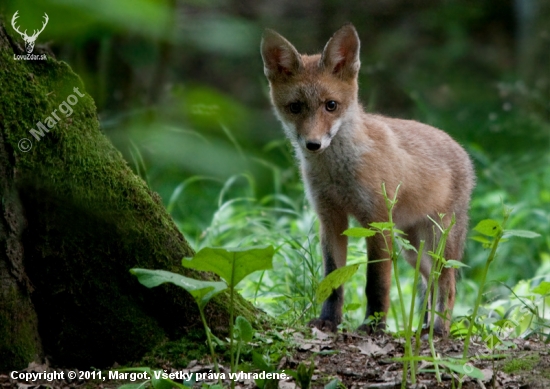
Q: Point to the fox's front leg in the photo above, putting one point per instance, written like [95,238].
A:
[379,271]
[334,247]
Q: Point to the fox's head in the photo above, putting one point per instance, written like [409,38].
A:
[313,96]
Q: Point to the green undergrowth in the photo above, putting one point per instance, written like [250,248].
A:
[288,292]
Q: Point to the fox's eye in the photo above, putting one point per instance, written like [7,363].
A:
[331,105]
[295,107]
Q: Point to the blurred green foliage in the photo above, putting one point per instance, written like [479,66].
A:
[180,91]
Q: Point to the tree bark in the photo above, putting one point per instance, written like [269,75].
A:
[74,219]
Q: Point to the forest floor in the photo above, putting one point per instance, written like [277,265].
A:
[357,362]
[369,362]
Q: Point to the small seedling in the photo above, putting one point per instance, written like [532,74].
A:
[303,375]
[244,335]
[260,363]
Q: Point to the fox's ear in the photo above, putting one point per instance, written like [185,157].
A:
[280,58]
[341,54]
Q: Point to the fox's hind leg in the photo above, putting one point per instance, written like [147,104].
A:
[454,249]
[422,231]
[446,285]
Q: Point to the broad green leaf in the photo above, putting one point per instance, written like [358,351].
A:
[543,288]
[521,233]
[467,369]
[259,362]
[292,373]
[359,232]
[202,291]
[334,280]
[455,264]
[488,227]
[492,341]
[245,329]
[221,262]
[382,225]
[353,307]
[481,239]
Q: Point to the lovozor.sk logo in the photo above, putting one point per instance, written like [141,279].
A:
[29,39]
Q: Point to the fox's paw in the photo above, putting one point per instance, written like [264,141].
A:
[439,332]
[372,329]
[323,325]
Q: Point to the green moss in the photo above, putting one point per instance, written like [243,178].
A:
[18,343]
[522,364]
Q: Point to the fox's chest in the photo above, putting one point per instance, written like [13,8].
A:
[333,181]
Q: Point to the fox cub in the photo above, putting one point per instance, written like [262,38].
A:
[346,154]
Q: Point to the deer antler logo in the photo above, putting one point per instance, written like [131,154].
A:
[29,40]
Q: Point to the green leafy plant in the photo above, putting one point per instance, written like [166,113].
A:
[334,280]
[202,292]
[395,242]
[303,374]
[232,265]
[335,384]
[244,335]
[391,236]
[260,362]
[438,263]
[491,234]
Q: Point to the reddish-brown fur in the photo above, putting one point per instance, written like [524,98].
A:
[346,154]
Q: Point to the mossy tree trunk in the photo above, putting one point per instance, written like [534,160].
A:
[74,219]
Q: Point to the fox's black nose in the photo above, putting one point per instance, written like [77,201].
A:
[313,145]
